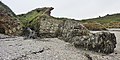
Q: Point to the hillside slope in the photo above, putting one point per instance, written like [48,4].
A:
[108,21]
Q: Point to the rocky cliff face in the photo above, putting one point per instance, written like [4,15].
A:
[104,42]
[69,30]
[9,24]
[80,37]
[45,25]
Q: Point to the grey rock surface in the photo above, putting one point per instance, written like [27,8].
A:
[49,49]
[104,42]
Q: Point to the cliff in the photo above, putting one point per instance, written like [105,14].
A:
[69,30]
[9,23]
[44,25]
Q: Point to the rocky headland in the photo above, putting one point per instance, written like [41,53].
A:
[37,35]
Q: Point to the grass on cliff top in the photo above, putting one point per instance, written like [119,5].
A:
[105,19]
[34,15]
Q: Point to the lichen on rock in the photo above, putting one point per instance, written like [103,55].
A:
[104,42]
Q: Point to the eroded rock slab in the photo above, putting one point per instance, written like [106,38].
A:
[104,42]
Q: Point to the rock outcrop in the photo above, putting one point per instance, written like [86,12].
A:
[45,25]
[42,22]
[9,24]
[69,30]
[104,42]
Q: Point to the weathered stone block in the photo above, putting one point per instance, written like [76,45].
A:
[104,42]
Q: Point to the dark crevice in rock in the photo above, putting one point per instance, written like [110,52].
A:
[22,57]
[88,56]
[2,30]
[38,51]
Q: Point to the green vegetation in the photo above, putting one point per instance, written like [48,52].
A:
[94,26]
[33,18]
[105,19]
[108,21]
[33,15]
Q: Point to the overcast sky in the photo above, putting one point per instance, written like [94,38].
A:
[77,9]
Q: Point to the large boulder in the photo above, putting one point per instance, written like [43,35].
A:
[65,30]
[104,42]
[9,24]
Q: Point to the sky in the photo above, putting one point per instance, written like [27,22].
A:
[76,9]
